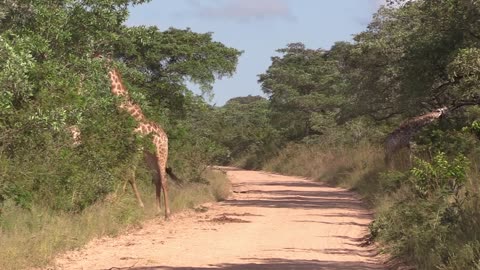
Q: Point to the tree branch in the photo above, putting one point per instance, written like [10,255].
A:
[385,117]
[463,103]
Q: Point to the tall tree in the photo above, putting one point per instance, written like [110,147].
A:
[301,84]
[415,56]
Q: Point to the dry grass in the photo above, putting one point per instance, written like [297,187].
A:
[32,238]
[346,167]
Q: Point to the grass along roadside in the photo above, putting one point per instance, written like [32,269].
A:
[31,238]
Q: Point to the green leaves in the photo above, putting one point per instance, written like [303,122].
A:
[414,56]
[50,81]
[440,175]
[14,80]
[170,58]
[302,83]
[466,65]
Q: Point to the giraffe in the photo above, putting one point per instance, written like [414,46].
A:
[155,161]
[402,136]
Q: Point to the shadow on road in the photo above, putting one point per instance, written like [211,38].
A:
[298,203]
[333,223]
[273,264]
[284,197]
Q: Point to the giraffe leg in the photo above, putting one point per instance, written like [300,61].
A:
[163,182]
[158,194]
[410,155]
[132,180]
[388,161]
[152,165]
[133,183]
[132,177]
[124,188]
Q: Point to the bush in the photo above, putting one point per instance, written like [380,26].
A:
[430,219]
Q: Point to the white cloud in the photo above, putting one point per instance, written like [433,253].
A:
[243,10]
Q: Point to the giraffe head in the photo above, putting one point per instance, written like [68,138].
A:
[442,111]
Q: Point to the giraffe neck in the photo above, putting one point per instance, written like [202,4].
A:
[118,89]
[402,136]
[134,110]
[145,126]
[417,123]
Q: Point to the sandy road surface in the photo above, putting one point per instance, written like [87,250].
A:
[271,222]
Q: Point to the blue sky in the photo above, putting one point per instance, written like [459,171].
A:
[259,27]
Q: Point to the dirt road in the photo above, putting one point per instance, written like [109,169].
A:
[271,222]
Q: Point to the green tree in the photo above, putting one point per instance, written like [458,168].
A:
[415,56]
[164,61]
[248,122]
[303,84]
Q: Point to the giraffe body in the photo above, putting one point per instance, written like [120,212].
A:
[157,161]
[402,136]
